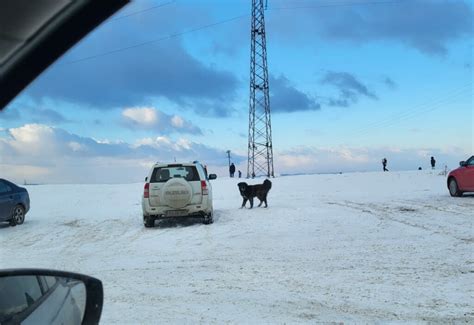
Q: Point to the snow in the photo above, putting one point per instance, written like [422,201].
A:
[361,247]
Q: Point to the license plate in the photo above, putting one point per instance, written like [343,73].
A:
[176,213]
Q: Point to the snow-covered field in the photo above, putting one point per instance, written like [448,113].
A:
[362,247]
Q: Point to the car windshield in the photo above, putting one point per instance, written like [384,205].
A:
[335,129]
[163,174]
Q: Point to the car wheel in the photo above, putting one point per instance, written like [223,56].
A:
[208,219]
[18,216]
[149,222]
[453,188]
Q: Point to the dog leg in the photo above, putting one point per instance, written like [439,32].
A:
[243,203]
[260,203]
[251,202]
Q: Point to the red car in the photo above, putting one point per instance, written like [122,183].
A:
[461,179]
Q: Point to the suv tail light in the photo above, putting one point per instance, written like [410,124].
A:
[204,189]
[146,191]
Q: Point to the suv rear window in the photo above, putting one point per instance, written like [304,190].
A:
[163,174]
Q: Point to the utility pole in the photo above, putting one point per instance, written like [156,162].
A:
[260,148]
[228,156]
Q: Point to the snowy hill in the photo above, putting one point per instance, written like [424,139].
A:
[360,247]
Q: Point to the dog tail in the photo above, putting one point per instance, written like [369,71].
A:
[267,184]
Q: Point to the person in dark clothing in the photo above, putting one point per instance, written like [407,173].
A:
[232,170]
[433,163]
[384,163]
[240,174]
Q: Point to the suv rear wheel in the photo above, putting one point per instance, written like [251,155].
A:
[208,219]
[149,221]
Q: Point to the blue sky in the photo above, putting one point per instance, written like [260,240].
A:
[351,82]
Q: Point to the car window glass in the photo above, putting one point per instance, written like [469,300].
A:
[51,280]
[4,188]
[163,174]
[44,286]
[18,293]
[470,162]
[47,282]
[191,174]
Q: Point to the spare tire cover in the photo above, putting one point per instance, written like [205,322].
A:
[177,193]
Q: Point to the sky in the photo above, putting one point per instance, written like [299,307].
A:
[351,82]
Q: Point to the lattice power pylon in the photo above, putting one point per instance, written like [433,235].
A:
[260,149]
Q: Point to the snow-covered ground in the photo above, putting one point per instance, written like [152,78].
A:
[362,247]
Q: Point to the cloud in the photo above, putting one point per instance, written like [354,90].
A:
[425,25]
[153,119]
[143,116]
[9,114]
[37,114]
[390,83]
[350,89]
[61,157]
[138,75]
[286,98]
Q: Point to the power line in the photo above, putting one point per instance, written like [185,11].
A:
[175,35]
[171,36]
[141,11]
[415,112]
[339,4]
[411,113]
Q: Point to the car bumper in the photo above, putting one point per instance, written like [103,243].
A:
[199,214]
[163,212]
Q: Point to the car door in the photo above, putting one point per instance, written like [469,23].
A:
[6,201]
[468,175]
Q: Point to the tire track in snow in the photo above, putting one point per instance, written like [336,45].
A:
[390,212]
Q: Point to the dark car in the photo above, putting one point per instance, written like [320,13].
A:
[14,203]
[461,179]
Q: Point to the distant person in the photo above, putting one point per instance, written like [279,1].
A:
[384,164]
[433,163]
[232,170]
[240,174]
[419,168]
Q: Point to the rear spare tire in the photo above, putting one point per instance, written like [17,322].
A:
[177,193]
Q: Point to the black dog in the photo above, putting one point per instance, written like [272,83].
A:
[260,191]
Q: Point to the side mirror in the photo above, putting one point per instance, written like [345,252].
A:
[212,176]
[49,297]
[146,179]
[462,163]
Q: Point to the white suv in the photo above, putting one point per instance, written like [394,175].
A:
[177,190]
